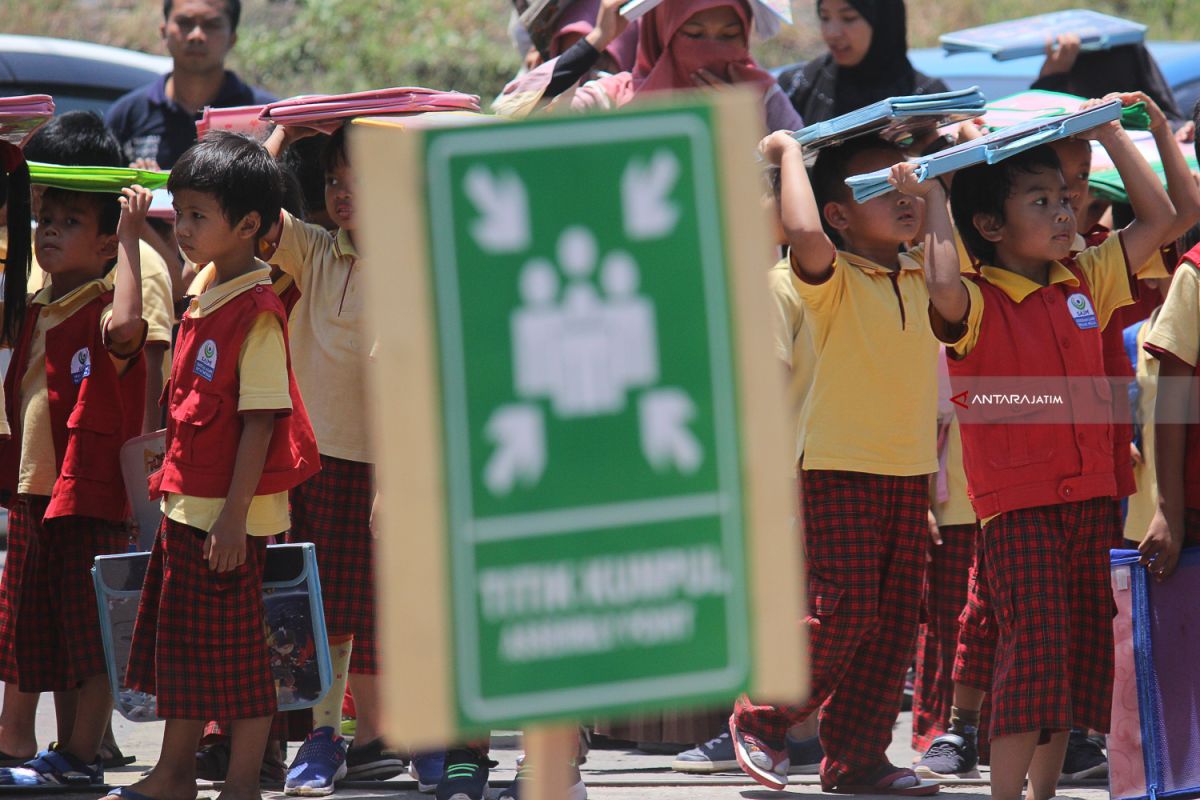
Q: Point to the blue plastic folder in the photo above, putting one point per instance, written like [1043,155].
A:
[991,149]
[1020,38]
[894,117]
[295,616]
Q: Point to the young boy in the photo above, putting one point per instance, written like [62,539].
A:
[1042,490]
[868,444]
[238,439]
[74,393]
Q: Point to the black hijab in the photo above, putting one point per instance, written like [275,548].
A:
[1128,68]
[821,90]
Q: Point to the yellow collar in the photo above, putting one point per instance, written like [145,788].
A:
[342,245]
[76,298]
[218,295]
[1018,287]
[854,260]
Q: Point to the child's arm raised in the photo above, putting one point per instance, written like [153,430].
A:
[225,546]
[812,251]
[126,325]
[1181,187]
[1154,216]
[284,136]
[943,275]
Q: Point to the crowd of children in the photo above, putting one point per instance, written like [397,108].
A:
[973,544]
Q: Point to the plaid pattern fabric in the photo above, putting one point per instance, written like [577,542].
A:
[866,539]
[22,516]
[199,642]
[58,641]
[946,578]
[332,509]
[1047,572]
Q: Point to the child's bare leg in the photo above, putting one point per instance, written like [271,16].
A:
[17,718]
[1046,767]
[93,711]
[174,776]
[247,744]
[968,698]
[365,689]
[1011,757]
[64,712]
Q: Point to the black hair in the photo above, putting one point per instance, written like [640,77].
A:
[233,10]
[106,204]
[77,138]
[829,173]
[304,159]
[334,153]
[984,188]
[14,193]
[237,171]
[773,175]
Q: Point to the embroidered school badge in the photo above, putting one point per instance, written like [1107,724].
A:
[1082,311]
[81,365]
[206,360]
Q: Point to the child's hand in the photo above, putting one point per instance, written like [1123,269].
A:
[1160,549]
[1060,54]
[225,545]
[1104,129]
[904,178]
[1157,117]
[294,133]
[135,204]
[775,145]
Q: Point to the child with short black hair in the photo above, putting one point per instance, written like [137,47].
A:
[238,439]
[74,393]
[1043,491]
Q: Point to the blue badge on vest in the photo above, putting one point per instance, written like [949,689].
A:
[206,360]
[81,365]
[1082,311]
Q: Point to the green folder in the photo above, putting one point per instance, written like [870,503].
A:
[94,179]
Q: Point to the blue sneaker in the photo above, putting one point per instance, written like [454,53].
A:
[427,769]
[715,755]
[466,776]
[319,764]
[805,755]
[54,768]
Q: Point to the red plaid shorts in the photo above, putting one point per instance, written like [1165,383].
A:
[946,578]
[200,642]
[332,509]
[1047,574]
[54,613]
[866,538]
[20,535]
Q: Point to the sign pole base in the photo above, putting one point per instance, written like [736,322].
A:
[550,749]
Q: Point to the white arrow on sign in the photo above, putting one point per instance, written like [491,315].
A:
[503,205]
[646,186]
[519,434]
[666,440]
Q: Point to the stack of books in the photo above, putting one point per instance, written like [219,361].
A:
[895,117]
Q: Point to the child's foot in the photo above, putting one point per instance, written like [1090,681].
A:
[427,769]
[54,768]
[577,791]
[155,787]
[766,762]
[466,776]
[372,762]
[885,779]
[715,755]
[319,764]
[951,755]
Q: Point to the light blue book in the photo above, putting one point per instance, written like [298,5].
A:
[990,149]
[895,117]
[1019,38]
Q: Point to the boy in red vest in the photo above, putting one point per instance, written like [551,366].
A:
[868,444]
[1042,488]
[238,439]
[75,391]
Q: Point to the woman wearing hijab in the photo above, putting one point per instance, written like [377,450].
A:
[867,61]
[1127,68]
[683,44]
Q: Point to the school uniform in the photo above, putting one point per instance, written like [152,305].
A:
[74,402]
[333,509]
[199,642]
[1044,489]
[868,444]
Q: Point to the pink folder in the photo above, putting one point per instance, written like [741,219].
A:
[327,113]
[20,116]
[239,119]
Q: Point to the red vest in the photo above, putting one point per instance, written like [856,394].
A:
[203,423]
[93,411]
[1011,462]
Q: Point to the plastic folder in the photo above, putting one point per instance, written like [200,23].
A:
[1019,38]
[1105,181]
[22,115]
[894,117]
[1036,104]
[94,179]
[238,119]
[1154,746]
[140,457]
[991,149]
[295,617]
[327,113]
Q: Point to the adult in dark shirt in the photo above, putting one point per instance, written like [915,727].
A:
[157,123]
[867,61]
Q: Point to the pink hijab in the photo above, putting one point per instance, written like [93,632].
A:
[580,18]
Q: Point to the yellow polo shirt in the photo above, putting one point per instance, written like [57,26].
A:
[957,509]
[873,402]
[262,386]
[793,342]
[1144,502]
[330,346]
[1177,329]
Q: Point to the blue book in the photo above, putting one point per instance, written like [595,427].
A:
[1019,38]
[990,149]
[895,117]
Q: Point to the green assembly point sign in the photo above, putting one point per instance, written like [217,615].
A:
[593,494]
